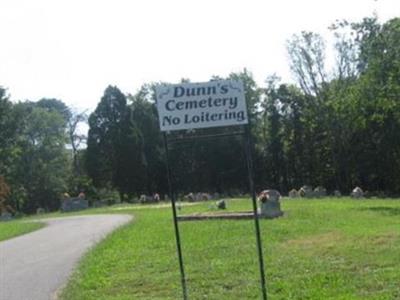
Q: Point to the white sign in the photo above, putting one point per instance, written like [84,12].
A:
[201,105]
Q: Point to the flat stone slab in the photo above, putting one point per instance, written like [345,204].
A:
[245,215]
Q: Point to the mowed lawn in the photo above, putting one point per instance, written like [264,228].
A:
[10,229]
[320,249]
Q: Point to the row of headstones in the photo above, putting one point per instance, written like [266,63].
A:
[79,203]
[149,199]
[191,197]
[268,202]
[195,197]
[307,191]
[74,204]
[5,216]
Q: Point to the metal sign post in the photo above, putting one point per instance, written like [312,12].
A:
[250,169]
[205,105]
[177,235]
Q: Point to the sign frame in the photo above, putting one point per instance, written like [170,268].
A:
[246,135]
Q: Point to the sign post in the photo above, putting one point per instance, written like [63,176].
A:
[176,227]
[204,105]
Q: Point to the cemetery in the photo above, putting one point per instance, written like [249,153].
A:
[324,235]
[236,186]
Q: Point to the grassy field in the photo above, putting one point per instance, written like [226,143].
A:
[320,249]
[12,229]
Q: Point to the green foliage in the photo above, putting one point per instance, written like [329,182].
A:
[350,125]
[82,183]
[42,167]
[34,157]
[55,105]
[109,195]
[104,137]
[8,133]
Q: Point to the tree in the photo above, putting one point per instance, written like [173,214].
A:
[149,165]
[378,89]
[307,58]
[55,105]
[104,136]
[8,133]
[76,138]
[41,169]
[4,189]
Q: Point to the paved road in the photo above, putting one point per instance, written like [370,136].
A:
[34,266]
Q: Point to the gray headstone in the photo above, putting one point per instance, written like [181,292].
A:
[189,197]
[337,193]
[6,216]
[306,191]
[156,197]
[198,197]
[319,191]
[40,211]
[221,204]
[293,193]
[270,206]
[357,193]
[205,197]
[74,204]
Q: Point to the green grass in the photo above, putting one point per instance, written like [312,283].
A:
[12,229]
[320,249]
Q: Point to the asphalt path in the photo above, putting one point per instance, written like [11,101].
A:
[36,265]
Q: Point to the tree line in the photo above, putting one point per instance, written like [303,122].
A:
[337,128]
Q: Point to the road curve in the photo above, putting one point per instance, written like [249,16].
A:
[35,265]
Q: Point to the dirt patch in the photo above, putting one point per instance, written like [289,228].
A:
[384,239]
[326,240]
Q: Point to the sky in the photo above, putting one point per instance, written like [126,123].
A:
[73,49]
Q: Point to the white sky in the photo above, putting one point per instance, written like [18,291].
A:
[72,49]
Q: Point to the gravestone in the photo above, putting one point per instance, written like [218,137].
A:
[148,199]
[40,211]
[142,199]
[337,193]
[221,204]
[6,216]
[74,204]
[293,194]
[357,193]
[306,191]
[205,197]
[189,197]
[270,206]
[320,191]
[156,197]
